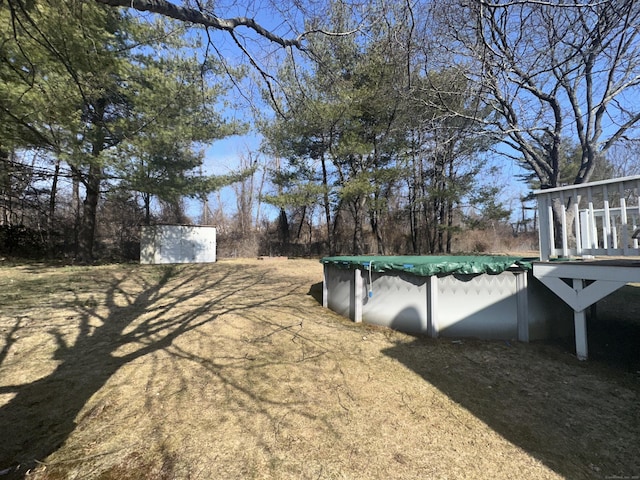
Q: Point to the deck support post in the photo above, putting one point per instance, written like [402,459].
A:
[580,325]
[589,283]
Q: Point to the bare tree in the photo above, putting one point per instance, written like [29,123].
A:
[624,158]
[247,195]
[551,71]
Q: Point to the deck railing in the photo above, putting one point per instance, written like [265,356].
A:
[592,219]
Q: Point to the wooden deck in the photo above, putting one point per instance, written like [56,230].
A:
[596,226]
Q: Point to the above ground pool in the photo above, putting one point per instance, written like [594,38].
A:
[490,297]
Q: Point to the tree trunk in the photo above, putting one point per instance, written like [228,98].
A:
[86,236]
[414,209]
[76,210]
[283,230]
[93,179]
[357,243]
[302,219]
[337,220]
[450,204]
[449,227]
[375,228]
[146,199]
[5,186]
[327,206]
[52,206]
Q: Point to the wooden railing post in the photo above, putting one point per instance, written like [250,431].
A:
[545,233]
[601,227]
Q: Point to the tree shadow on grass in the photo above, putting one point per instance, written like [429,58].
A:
[579,419]
[41,414]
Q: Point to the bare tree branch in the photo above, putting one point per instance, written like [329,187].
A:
[560,4]
[198,17]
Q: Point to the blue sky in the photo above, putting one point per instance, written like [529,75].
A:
[221,158]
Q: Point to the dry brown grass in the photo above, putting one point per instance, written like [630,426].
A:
[234,370]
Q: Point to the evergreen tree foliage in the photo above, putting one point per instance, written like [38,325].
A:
[114,97]
[363,140]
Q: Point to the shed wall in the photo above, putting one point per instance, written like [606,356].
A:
[161,244]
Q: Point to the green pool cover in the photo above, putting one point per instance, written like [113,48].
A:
[433,265]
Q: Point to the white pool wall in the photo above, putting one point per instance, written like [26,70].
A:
[509,305]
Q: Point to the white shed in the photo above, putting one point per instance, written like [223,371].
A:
[177,244]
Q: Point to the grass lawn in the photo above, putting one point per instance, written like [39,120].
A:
[234,370]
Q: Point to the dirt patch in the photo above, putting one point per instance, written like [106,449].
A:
[234,370]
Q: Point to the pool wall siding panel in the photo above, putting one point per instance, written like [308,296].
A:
[397,300]
[508,305]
